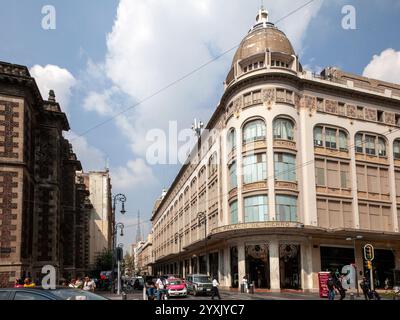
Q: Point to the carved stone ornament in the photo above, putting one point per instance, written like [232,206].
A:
[258,251]
[268,96]
[288,251]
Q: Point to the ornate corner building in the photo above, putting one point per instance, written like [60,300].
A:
[296,172]
[43,206]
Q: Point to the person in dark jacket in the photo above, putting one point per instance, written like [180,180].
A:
[339,287]
[331,287]
[364,285]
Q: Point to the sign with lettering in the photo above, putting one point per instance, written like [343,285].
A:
[323,284]
[256,225]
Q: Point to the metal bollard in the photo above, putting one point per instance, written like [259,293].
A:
[124,296]
[352,296]
[242,288]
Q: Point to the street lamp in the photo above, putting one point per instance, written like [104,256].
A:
[355,265]
[202,216]
[117,198]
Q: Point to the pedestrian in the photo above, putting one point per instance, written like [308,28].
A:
[89,284]
[78,283]
[387,284]
[215,290]
[151,290]
[245,284]
[364,285]
[18,283]
[28,283]
[161,284]
[339,287]
[331,287]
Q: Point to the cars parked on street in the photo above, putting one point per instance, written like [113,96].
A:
[198,284]
[176,287]
[39,293]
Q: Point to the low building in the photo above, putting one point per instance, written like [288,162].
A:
[295,173]
[144,255]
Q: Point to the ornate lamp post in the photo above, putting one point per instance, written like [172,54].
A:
[117,198]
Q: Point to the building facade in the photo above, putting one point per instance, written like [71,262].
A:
[144,257]
[39,195]
[98,184]
[295,173]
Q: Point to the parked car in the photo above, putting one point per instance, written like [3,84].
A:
[42,294]
[176,287]
[198,284]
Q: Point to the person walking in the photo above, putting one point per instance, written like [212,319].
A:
[339,287]
[364,285]
[331,287]
[215,290]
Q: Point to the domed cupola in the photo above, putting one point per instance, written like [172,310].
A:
[264,47]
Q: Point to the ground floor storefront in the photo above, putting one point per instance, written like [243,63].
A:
[287,262]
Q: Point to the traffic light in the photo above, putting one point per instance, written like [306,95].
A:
[369,265]
[369,252]
[119,254]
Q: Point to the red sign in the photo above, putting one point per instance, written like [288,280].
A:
[323,286]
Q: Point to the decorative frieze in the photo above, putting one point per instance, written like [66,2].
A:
[351,111]
[390,118]
[268,96]
[371,114]
[331,106]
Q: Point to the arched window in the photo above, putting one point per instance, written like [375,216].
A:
[370,144]
[331,138]
[396,149]
[283,129]
[253,131]
[231,140]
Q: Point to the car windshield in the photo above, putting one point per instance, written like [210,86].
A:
[203,279]
[175,282]
[73,294]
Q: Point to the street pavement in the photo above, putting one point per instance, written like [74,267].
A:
[228,295]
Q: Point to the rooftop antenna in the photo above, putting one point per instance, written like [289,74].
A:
[197,126]
[262,5]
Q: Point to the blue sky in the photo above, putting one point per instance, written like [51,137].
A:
[108,55]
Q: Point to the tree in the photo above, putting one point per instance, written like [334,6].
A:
[128,264]
[103,262]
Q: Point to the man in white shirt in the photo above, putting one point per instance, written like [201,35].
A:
[215,290]
[89,284]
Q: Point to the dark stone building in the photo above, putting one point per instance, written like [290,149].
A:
[43,206]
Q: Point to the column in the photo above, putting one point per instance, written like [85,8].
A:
[392,186]
[221,266]
[274,265]
[354,188]
[241,262]
[359,261]
[306,266]
[227,267]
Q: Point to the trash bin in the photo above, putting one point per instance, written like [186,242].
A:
[352,296]
[124,296]
[242,288]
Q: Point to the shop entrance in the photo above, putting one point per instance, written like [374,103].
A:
[257,265]
[213,259]
[290,266]
[333,259]
[234,267]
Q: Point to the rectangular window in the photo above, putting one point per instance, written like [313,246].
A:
[335,214]
[360,112]
[256,209]
[344,175]
[323,219]
[232,176]
[370,145]
[255,168]
[372,180]
[342,141]
[359,143]
[320,172]
[361,180]
[247,99]
[318,136]
[332,174]
[234,212]
[384,181]
[286,208]
[285,167]
[330,138]
[257,96]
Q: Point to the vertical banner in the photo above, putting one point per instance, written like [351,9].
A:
[323,287]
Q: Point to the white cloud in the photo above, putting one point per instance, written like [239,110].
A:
[51,77]
[385,66]
[135,174]
[92,159]
[100,102]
